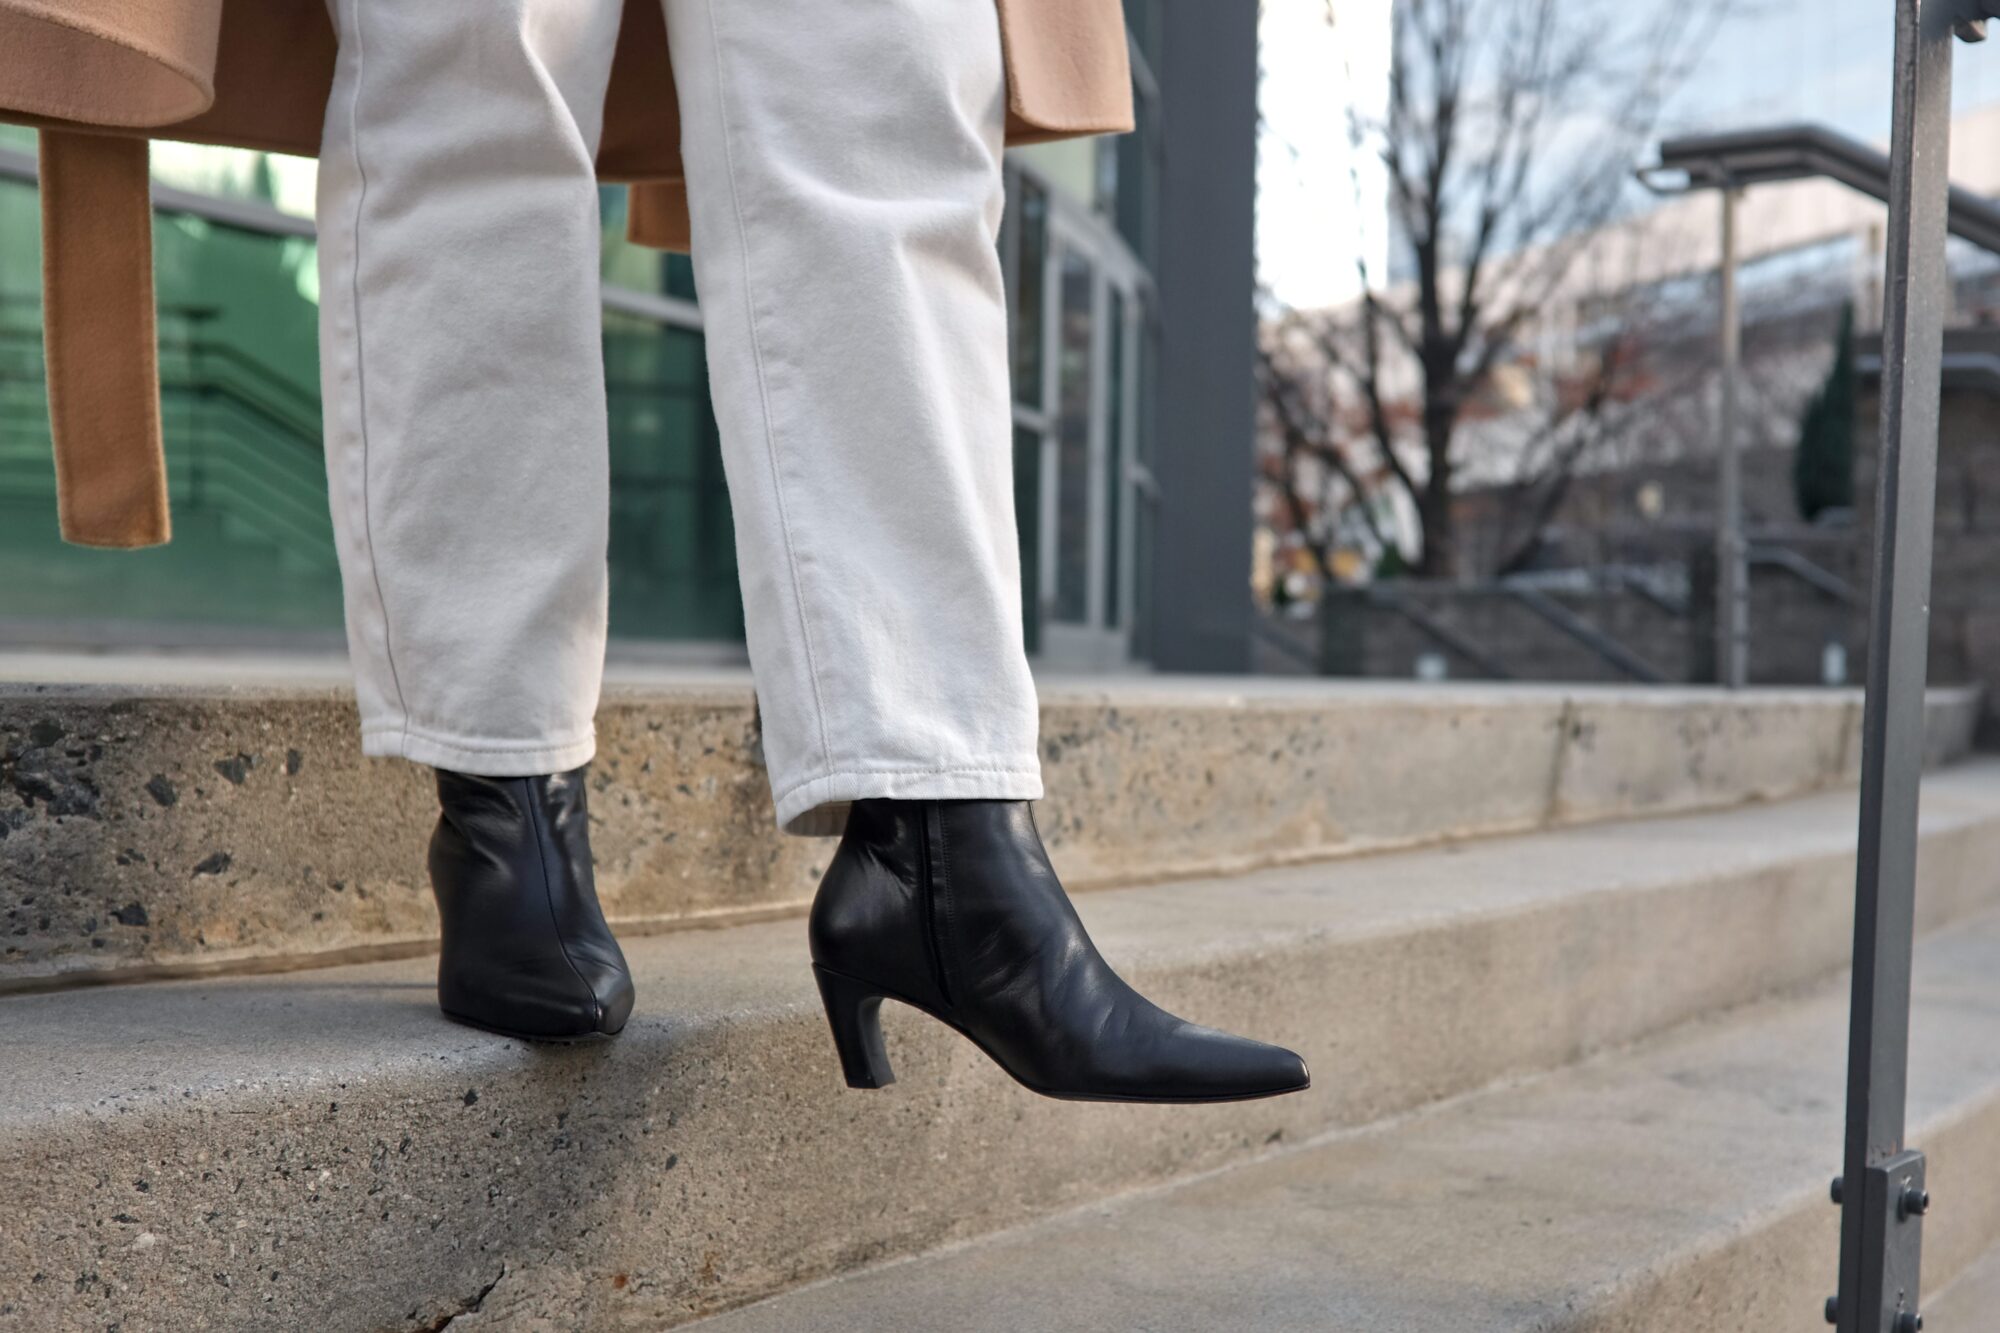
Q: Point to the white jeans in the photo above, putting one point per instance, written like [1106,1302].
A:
[844,169]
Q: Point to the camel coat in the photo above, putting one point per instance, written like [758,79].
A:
[100,77]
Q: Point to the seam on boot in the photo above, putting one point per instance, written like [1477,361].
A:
[548,898]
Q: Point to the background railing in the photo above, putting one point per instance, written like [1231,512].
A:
[246,450]
[253,553]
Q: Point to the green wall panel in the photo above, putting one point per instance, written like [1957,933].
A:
[239,373]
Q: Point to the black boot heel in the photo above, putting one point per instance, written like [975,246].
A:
[854,1012]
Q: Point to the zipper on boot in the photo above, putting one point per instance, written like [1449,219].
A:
[934,941]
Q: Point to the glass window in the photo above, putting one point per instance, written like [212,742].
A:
[1104,195]
[1135,179]
[673,547]
[620,262]
[1073,441]
[253,542]
[1149,383]
[1144,503]
[1032,212]
[680,275]
[639,267]
[1129,175]
[1142,20]
[246,471]
[1028,519]
[1114,456]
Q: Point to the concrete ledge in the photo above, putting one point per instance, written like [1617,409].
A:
[1680,1186]
[1966,1303]
[234,1152]
[154,831]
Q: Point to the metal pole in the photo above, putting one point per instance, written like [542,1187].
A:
[1881,1190]
[1732,611]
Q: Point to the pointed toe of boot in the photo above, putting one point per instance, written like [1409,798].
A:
[1192,1063]
[614,1005]
[1236,1068]
[531,1015]
[1298,1077]
[542,994]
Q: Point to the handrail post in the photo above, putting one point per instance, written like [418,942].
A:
[1732,601]
[1881,1190]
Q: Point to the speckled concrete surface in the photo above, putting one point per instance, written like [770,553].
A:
[148,828]
[1678,1187]
[321,1150]
[1970,1303]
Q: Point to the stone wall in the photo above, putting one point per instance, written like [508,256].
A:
[1383,632]
[1965,569]
[1363,633]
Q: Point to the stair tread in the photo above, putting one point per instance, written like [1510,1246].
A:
[1553,1202]
[1969,1304]
[295,1129]
[130,1045]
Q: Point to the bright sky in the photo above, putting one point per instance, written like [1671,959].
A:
[1319,204]
[1776,61]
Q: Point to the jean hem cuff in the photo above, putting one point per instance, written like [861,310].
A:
[817,807]
[486,759]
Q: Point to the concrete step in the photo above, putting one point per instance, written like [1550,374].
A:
[1969,1303]
[1678,1186]
[150,830]
[227,1151]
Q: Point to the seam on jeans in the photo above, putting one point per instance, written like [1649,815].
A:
[534,808]
[763,387]
[360,374]
[954,770]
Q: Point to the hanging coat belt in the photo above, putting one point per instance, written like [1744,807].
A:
[98,339]
[93,75]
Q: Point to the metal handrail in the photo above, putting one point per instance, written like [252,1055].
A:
[1811,574]
[246,427]
[276,426]
[1882,1190]
[1959,370]
[294,522]
[262,388]
[1739,158]
[1731,161]
[1387,598]
[1281,643]
[1648,592]
[1612,652]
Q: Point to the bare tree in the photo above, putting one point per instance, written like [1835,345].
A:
[1508,141]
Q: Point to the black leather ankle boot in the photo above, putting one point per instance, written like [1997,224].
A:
[951,907]
[526,951]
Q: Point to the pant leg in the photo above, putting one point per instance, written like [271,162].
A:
[462,374]
[844,172]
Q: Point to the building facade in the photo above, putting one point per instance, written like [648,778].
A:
[1092,328]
